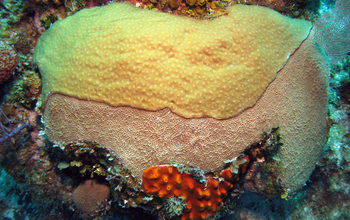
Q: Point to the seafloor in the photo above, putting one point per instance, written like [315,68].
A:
[34,184]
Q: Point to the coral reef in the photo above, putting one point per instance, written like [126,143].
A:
[177,187]
[175,205]
[209,9]
[89,195]
[38,178]
[229,64]
[8,129]
[263,177]
[332,31]
[81,161]
[25,91]
[329,179]
[199,83]
[146,138]
[339,81]
[294,8]
[10,14]
[8,61]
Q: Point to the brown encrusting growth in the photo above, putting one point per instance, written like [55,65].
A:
[88,195]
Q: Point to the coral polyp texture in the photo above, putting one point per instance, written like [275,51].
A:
[125,56]
[195,200]
[8,61]
[140,83]
[88,195]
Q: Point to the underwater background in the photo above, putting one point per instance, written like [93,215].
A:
[40,179]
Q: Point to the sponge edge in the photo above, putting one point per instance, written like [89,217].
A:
[124,56]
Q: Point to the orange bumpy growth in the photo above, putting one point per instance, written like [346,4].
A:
[201,199]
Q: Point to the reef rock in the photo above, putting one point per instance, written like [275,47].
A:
[8,61]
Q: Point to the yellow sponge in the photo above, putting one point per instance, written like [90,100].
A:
[124,56]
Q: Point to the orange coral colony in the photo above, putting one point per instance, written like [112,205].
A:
[202,199]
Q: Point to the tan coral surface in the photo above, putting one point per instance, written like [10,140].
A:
[296,101]
[88,195]
[125,56]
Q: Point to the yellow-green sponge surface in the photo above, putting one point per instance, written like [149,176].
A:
[125,56]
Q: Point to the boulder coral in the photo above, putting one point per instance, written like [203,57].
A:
[88,195]
[159,89]
[8,61]
[196,68]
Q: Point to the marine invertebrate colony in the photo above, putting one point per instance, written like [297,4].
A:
[221,52]
[175,205]
[8,61]
[189,196]
[202,199]
[6,132]
[88,195]
[151,87]
[332,29]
